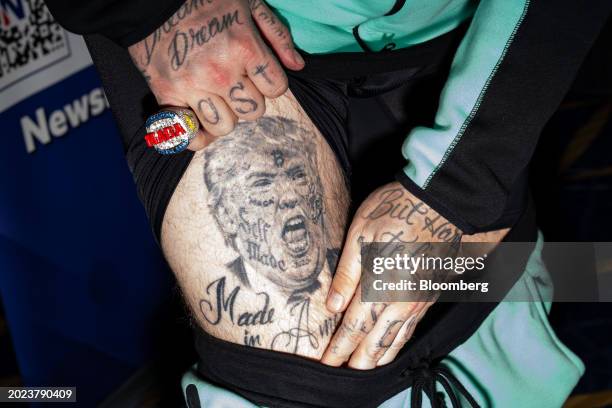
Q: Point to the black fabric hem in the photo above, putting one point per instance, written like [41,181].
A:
[284,380]
[172,178]
[348,65]
[434,203]
[506,220]
[538,67]
[147,27]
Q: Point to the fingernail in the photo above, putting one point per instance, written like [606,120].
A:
[335,301]
[298,58]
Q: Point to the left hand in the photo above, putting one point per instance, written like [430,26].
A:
[372,334]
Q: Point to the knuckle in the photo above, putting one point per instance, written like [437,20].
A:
[218,74]
[222,128]
[373,351]
[280,89]
[198,143]
[353,336]
[246,50]
[350,334]
[288,46]
[344,278]
[261,111]
[341,355]
[337,351]
[358,233]
[165,95]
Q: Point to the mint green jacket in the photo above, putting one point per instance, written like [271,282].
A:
[509,74]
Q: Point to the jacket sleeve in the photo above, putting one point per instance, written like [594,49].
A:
[510,73]
[122,21]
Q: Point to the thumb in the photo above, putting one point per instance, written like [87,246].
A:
[277,35]
[346,278]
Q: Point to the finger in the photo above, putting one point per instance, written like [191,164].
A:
[380,338]
[200,141]
[214,115]
[356,324]
[268,76]
[202,138]
[402,337]
[245,100]
[277,35]
[346,277]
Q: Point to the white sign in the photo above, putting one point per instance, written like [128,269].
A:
[35,52]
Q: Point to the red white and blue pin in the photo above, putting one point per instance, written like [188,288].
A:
[170,130]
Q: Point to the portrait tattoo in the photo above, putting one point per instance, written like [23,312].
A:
[266,197]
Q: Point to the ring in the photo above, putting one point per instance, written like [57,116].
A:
[170,130]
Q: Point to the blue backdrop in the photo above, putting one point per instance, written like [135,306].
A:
[80,277]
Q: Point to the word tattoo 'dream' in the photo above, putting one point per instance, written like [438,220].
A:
[184,42]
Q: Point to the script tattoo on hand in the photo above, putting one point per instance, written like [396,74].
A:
[398,204]
[266,197]
[151,42]
[269,18]
[183,42]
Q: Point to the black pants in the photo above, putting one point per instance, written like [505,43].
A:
[364,105]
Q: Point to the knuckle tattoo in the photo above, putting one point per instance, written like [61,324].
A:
[262,71]
[386,340]
[376,310]
[410,325]
[208,111]
[244,104]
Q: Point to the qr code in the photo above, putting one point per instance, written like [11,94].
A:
[29,36]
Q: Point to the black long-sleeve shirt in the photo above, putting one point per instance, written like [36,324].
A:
[510,72]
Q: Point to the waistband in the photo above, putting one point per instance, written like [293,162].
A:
[281,380]
[348,65]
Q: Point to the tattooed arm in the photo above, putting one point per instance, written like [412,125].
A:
[253,229]
[372,333]
[209,55]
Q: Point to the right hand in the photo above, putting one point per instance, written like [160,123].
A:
[209,56]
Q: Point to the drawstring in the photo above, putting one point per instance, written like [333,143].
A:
[425,380]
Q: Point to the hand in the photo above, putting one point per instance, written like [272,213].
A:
[209,56]
[371,334]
